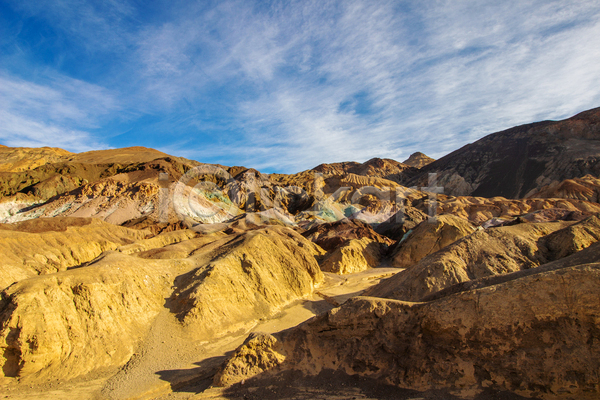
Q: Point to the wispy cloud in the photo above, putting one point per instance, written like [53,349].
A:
[96,26]
[284,86]
[58,113]
[465,71]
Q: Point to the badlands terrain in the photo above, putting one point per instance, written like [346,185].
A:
[134,274]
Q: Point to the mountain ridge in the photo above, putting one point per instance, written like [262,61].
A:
[516,161]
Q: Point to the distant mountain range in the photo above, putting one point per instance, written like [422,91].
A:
[542,159]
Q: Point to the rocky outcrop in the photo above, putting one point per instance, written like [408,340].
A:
[428,237]
[251,276]
[531,335]
[483,253]
[516,161]
[17,159]
[572,239]
[583,188]
[74,322]
[376,167]
[489,252]
[260,352]
[399,224]
[355,255]
[330,236]
[48,245]
[479,209]
[91,319]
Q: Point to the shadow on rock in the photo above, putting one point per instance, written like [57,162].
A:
[335,385]
[193,380]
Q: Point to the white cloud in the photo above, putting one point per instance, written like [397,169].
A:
[481,69]
[20,131]
[288,85]
[97,26]
[58,113]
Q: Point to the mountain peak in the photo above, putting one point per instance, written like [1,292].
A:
[418,160]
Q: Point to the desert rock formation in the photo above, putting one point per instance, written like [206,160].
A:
[428,237]
[418,160]
[131,273]
[49,245]
[92,318]
[532,335]
[488,252]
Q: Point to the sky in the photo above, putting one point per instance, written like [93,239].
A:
[282,86]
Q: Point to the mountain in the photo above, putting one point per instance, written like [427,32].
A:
[385,168]
[418,160]
[515,162]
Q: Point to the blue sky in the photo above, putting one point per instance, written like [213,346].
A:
[282,86]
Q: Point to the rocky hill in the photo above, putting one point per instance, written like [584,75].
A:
[515,162]
[418,160]
[377,167]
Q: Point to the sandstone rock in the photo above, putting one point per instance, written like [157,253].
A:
[252,276]
[111,200]
[479,209]
[260,352]
[376,167]
[428,237]
[124,155]
[480,254]
[91,319]
[153,226]
[17,159]
[572,239]
[74,322]
[589,255]
[582,188]
[159,241]
[355,255]
[48,245]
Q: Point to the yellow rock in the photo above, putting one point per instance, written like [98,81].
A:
[252,276]
[429,237]
[48,245]
[74,322]
[483,253]
[353,256]
[532,335]
[260,352]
